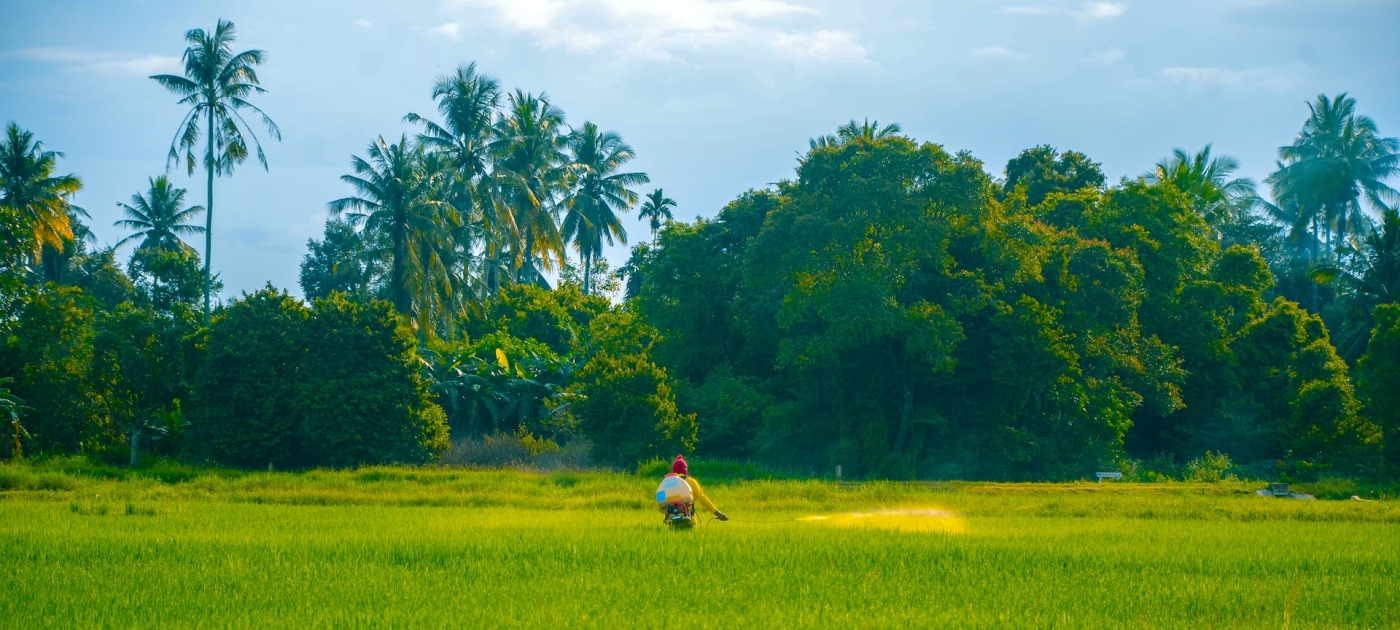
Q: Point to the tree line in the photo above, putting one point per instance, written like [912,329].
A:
[894,308]
[898,310]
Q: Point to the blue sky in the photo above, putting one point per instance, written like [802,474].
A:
[717,96]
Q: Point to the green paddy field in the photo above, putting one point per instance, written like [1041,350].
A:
[404,547]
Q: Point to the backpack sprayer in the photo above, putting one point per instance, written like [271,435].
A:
[677,502]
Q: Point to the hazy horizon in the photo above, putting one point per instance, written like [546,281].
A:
[716,97]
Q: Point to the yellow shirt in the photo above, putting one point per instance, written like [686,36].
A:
[699,494]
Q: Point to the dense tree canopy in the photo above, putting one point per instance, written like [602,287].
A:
[889,311]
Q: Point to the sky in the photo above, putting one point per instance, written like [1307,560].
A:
[716,96]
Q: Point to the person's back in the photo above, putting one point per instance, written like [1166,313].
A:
[671,497]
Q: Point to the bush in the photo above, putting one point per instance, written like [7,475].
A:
[361,397]
[336,385]
[243,412]
[628,411]
[1209,468]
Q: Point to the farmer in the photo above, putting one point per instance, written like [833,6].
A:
[680,469]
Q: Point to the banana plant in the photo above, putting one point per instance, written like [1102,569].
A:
[530,390]
[11,407]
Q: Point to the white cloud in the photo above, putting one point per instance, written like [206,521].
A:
[363,23]
[102,62]
[648,28]
[1087,12]
[1276,77]
[1100,11]
[820,45]
[1106,57]
[450,29]
[998,52]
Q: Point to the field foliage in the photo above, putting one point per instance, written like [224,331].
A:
[102,547]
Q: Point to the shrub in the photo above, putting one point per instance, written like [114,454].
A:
[243,411]
[361,398]
[628,411]
[336,385]
[1209,468]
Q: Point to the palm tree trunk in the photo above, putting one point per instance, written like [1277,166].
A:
[1314,262]
[208,215]
[400,281]
[587,271]
[135,436]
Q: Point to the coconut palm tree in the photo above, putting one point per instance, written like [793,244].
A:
[869,130]
[1206,180]
[1337,160]
[655,209]
[35,201]
[598,194]
[530,173]
[469,103]
[157,218]
[397,203]
[1372,279]
[216,86]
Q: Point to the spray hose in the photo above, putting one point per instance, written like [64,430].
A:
[741,520]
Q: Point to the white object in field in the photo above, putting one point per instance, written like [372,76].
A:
[1109,475]
[673,489]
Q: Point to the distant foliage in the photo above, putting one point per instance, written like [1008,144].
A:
[168,280]
[1042,170]
[360,398]
[50,353]
[1378,381]
[628,411]
[893,309]
[337,262]
[626,406]
[903,330]
[334,385]
[244,409]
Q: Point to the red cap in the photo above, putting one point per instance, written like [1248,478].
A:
[679,466]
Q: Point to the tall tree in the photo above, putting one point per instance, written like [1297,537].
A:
[158,218]
[599,192]
[1336,161]
[1372,279]
[34,200]
[216,86]
[397,204]
[529,177]
[335,263]
[469,103]
[1206,180]
[656,209]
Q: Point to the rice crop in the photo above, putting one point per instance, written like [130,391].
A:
[461,548]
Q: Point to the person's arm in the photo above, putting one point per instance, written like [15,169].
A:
[700,497]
